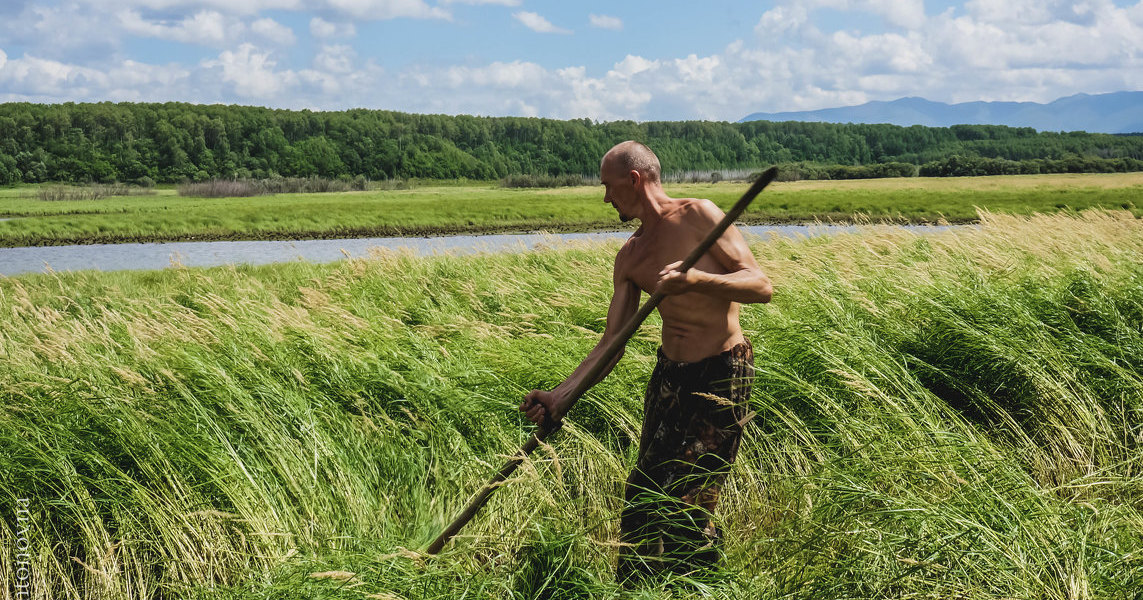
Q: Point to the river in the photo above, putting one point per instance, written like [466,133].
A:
[113,257]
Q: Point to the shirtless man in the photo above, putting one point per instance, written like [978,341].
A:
[696,400]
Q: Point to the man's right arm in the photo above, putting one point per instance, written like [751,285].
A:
[557,402]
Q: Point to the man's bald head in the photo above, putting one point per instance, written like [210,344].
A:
[633,156]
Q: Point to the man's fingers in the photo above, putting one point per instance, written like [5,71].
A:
[530,400]
[535,406]
[669,274]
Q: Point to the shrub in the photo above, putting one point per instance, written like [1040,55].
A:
[708,176]
[221,188]
[240,188]
[546,181]
[58,193]
[392,184]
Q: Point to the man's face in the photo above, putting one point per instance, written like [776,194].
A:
[618,190]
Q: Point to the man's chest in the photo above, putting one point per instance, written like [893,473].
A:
[649,256]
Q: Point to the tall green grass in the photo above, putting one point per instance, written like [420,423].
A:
[956,415]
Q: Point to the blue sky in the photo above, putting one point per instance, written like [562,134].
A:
[638,60]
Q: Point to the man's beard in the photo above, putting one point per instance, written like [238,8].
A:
[624,218]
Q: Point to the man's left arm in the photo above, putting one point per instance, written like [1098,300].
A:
[743,280]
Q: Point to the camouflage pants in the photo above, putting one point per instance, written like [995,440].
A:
[694,415]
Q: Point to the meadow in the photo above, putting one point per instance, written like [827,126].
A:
[445,207]
[955,415]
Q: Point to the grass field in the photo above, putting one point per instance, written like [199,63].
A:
[955,415]
[450,207]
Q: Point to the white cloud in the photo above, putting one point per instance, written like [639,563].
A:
[321,28]
[133,74]
[990,50]
[205,27]
[537,23]
[478,2]
[251,72]
[335,59]
[518,88]
[781,20]
[336,73]
[900,13]
[58,32]
[605,22]
[273,31]
[511,75]
[1021,11]
[239,7]
[31,76]
[375,10]
[697,70]
[909,14]
[140,82]
[887,52]
[794,66]
[631,65]
[378,10]
[35,79]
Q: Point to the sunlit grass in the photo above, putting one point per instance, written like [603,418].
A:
[453,207]
[949,415]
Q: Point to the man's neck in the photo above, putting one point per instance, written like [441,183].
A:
[656,203]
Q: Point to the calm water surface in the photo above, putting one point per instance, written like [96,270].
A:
[114,257]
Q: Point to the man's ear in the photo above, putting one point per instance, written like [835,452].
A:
[635,177]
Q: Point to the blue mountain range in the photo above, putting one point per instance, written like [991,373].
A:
[1118,112]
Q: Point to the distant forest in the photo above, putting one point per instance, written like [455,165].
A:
[176,142]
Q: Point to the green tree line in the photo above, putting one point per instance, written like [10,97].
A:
[172,142]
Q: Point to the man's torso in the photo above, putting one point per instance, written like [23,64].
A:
[695,325]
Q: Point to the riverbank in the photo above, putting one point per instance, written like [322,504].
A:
[113,257]
[481,208]
[948,415]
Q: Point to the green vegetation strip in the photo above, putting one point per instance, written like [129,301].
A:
[171,142]
[957,415]
[448,208]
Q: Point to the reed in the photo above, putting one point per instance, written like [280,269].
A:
[99,191]
[948,415]
[244,188]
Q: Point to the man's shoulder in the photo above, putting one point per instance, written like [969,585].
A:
[699,211]
[627,249]
[625,258]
